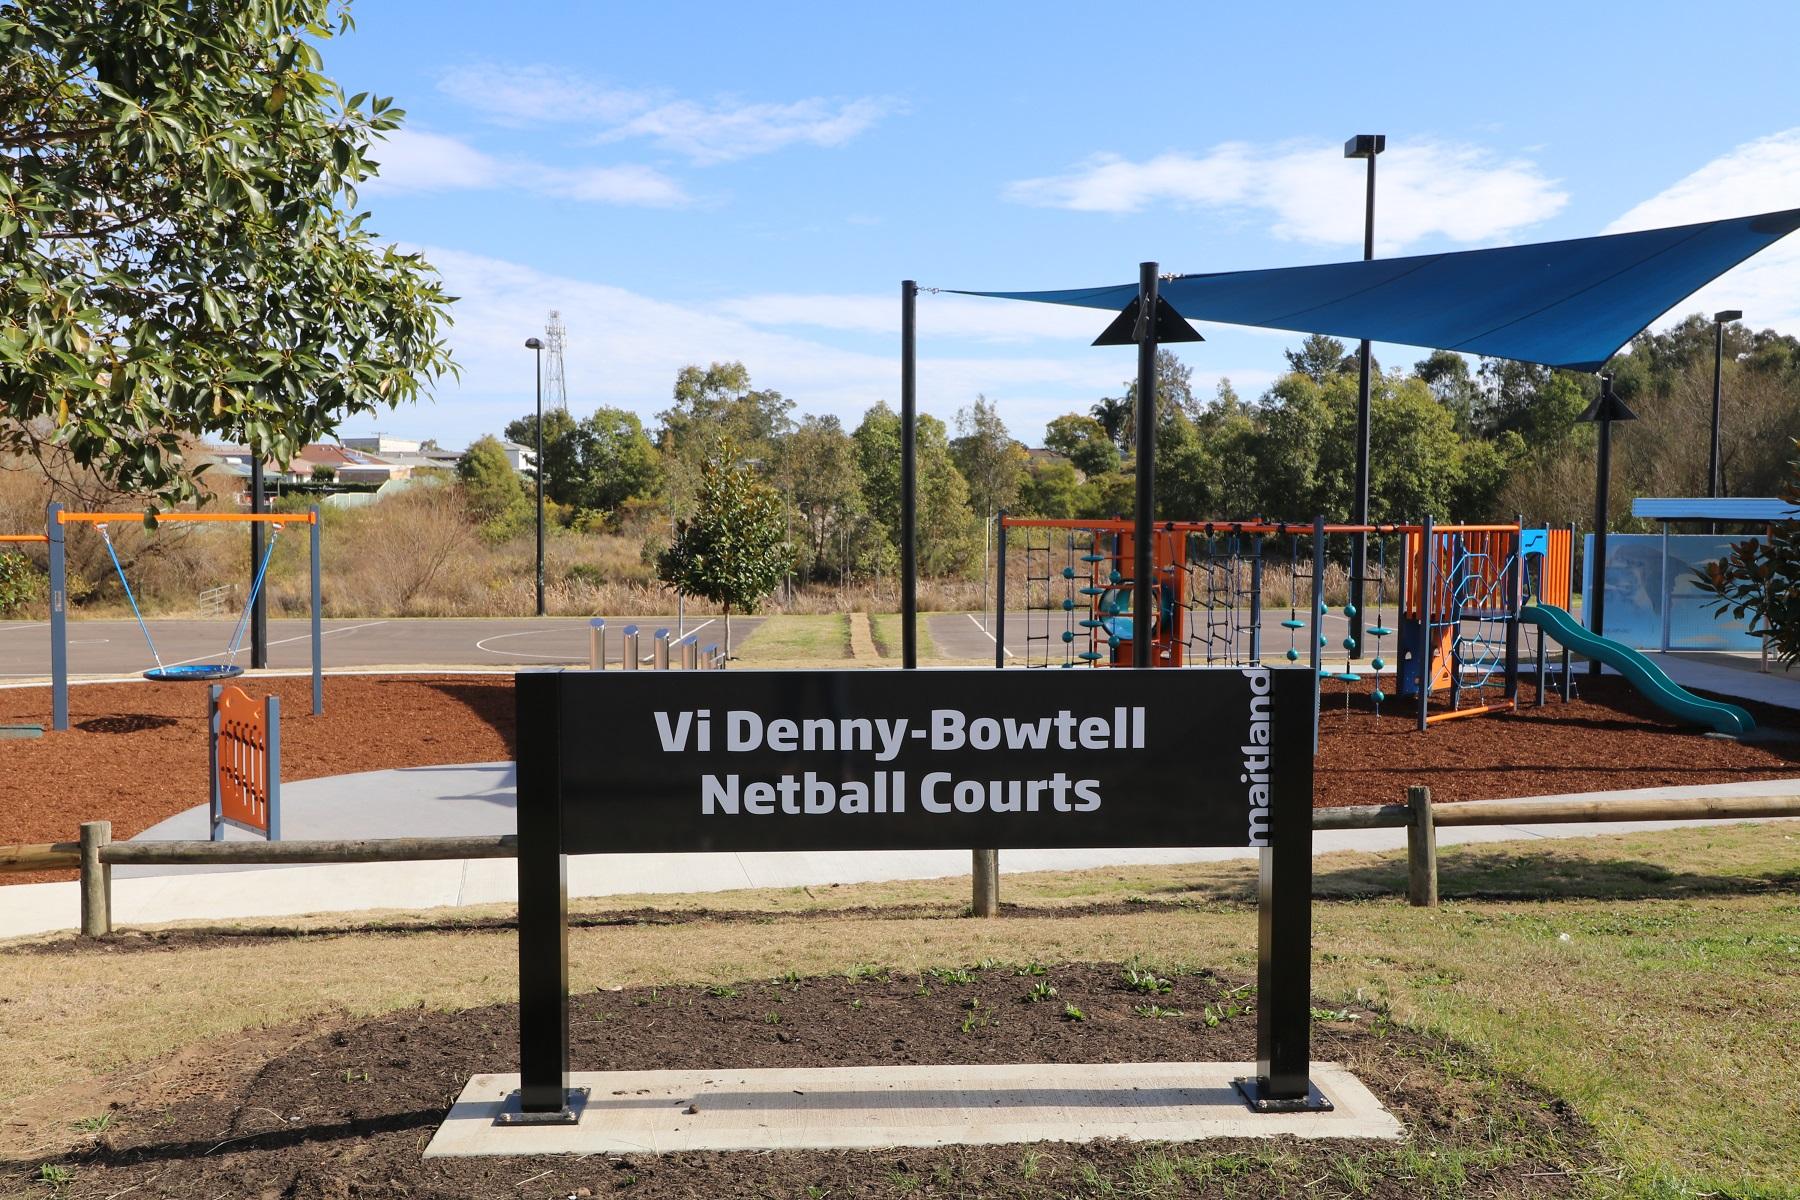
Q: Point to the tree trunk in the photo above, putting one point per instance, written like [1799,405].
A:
[728,633]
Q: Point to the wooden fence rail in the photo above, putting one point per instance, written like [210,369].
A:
[96,853]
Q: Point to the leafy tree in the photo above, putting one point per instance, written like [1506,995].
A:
[949,537]
[560,466]
[819,472]
[1052,488]
[613,461]
[1113,412]
[1446,373]
[179,255]
[992,464]
[733,550]
[1085,442]
[491,488]
[1761,580]
[712,405]
[1320,357]
[1174,394]
[20,583]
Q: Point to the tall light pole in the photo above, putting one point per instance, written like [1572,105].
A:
[1720,319]
[1606,408]
[537,348]
[1363,145]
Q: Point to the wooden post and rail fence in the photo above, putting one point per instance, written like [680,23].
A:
[95,854]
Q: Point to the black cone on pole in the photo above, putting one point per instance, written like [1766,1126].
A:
[1142,584]
[1605,409]
[1363,145]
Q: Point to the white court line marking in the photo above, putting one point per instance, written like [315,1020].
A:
[9,626]
[990,637]
[284,641]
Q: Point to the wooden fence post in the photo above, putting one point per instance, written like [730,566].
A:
[1421,850]
[96,880]
[986,875]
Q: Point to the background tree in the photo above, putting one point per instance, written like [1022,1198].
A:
[561,465]
[711,405]
[949,536]
[818,470]
[1174,394]
[493,491]
[1320,357]
[1084,441]
[991,462]
[733,550]
[613,461]
[178,251]
[1112,412]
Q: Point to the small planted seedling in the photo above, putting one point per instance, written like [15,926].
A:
[99,1124]
[978,1016]
[790,977]
[1041,991]
[723,991]
[858,972]
[951,974]
[1072,1013]
[1147,982]
[1031,968]
[856,1003]
[1155,1011]
[772,1018]
[357,1075]
[54,1175]
[1333,1014]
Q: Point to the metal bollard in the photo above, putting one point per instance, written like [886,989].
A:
[630,662]
[659,651]
[713,661]
[690,654]
[597,645]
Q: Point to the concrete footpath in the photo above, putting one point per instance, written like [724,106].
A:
[478,799]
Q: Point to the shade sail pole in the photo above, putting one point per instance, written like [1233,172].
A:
[1142,592]
[909,534]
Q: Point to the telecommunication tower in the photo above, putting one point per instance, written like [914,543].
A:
[556,387]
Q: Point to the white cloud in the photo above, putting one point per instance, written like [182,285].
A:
[726,129]
[731,130]
[523,95]
[625,349]
[415,161]
[965,317]
[1450,189]
[1758,176]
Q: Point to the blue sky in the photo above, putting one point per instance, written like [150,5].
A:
[697,182]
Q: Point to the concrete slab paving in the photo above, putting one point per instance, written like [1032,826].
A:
[865,1108]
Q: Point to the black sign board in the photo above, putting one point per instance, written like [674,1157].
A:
[634,762]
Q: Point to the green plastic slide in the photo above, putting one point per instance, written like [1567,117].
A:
[1643,674]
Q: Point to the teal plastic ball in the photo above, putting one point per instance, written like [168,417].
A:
[1116,577]
[1350,644]
[1379,663]
[1293,655]
[1113,641]
[1069,605]
[1379,695]
[1068,635]
[1068,572]
[1324,608]
[1349,610]
[1322,639]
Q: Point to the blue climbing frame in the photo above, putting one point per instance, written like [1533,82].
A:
[58,518]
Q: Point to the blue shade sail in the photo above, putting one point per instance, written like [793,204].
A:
[1563,304]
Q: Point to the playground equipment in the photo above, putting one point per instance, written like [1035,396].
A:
[1460,590]
[244,767]
[222,668]
[1466,592]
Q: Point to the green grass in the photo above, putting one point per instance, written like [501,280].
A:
[1650,980]
[886,630]
[798,639]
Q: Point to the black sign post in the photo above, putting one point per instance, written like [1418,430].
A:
[647,762]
